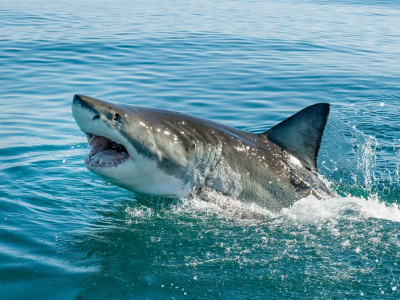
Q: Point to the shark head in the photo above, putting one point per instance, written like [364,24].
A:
[131,148]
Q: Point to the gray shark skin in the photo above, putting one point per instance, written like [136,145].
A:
[172,154]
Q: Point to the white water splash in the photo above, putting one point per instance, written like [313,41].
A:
[308,210]
[312,210]
[351,158]
[139,213]
[224,206]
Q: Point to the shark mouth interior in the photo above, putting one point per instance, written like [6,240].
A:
[105,152]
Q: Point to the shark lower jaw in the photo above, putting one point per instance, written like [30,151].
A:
[105,153]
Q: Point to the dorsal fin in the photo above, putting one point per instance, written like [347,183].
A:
[301,134]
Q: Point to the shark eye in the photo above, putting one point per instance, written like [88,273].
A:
[116,117]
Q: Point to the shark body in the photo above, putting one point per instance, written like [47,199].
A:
[172,154]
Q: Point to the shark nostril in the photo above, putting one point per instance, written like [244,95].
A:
[96,117]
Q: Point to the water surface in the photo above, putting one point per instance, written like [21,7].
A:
[66,234]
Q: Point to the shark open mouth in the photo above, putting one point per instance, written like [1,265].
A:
[105,152]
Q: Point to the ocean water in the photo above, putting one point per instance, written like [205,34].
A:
[67,234]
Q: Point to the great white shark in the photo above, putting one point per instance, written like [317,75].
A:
[172,154]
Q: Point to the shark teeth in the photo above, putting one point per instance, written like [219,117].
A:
[104,164]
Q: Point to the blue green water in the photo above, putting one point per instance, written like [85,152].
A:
[67,234]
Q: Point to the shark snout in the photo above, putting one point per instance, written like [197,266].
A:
[85,111]
[86,102]
[94,105]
